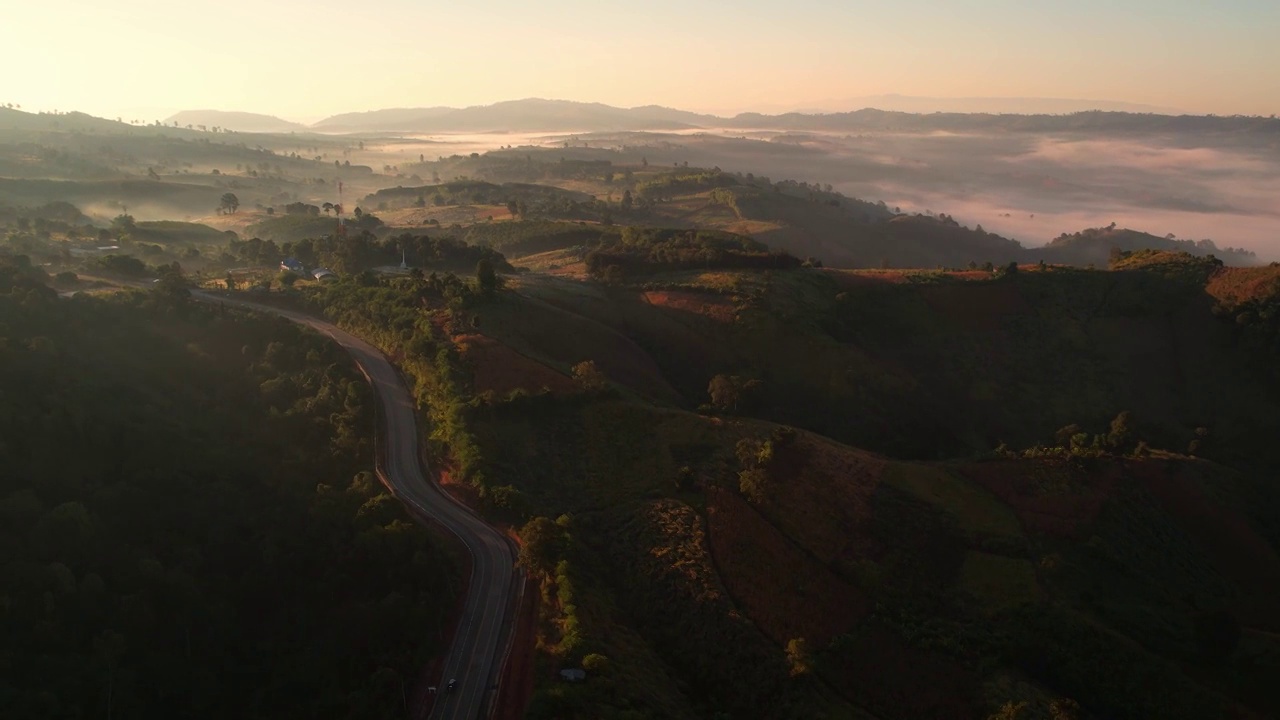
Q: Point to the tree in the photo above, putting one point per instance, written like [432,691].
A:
[486,278]
[1064,709]
[754,484]
[729,392]
[798,656]
[626,200]
[1121,436]
[724,393]
[287,278]
[229,203]
[540,544]
[1064,434]
[122,224]
[1009,711]
[1196,446]
[231,282]
[589,377]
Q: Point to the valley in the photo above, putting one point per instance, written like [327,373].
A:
[767,446]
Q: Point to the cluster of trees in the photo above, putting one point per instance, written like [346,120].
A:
[534,236]
[361,251]
[399,315]
[669,185]
[757,460]
[467,192]
[637,251]
[189,528]
[301,225]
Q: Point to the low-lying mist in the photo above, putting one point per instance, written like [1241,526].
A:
[1022,185]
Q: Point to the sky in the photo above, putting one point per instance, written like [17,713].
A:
[304,60]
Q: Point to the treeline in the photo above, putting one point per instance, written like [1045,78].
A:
[639,251]
[189,528]
[467,192]
[527,237]
[508,165]
[1097,245]
[363,251]
[298,226]
[411,318]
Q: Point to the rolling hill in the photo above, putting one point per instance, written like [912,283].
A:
[896,494]
[238,121]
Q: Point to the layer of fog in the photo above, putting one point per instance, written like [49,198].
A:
[1029,187]
[1034,188]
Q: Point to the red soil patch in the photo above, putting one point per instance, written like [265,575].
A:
[499,369]
[1237,551]
[969,275]
[975,306]
[459,490]
[1048,496]
[852,279]
[713,306]
[515,689]
[784,590]
[891,678]
[1234,285]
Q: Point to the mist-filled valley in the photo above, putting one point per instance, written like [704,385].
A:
[1215,181]
[560,410]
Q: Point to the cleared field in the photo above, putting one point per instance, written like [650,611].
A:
[998,581]
[974,508]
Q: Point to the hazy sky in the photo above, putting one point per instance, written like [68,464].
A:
[306,60]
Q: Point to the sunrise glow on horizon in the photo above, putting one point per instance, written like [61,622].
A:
[307,60]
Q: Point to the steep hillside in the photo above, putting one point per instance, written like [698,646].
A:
[1048,487]
[942,364]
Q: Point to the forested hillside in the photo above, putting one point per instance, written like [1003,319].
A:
[190,527]
[802,493]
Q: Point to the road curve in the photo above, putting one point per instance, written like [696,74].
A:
[477,654]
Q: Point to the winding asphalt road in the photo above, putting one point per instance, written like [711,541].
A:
[483,630]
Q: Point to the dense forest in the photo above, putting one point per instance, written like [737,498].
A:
[190,525]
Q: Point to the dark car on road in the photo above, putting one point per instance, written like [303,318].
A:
[453,685]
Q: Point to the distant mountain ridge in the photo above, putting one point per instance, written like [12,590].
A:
[541,115]
[233,120]
[528,115]
[894,102]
